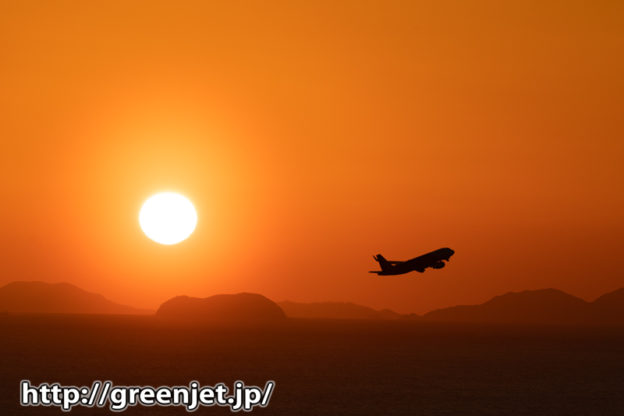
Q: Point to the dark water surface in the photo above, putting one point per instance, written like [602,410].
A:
[327,367]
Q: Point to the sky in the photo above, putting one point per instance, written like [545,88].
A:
[310,136]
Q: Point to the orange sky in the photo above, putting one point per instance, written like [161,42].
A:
[311,135]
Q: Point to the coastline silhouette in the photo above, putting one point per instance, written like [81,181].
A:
[543,306]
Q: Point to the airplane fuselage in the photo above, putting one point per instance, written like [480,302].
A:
[434,259]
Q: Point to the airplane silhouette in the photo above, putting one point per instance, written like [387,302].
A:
[435,260]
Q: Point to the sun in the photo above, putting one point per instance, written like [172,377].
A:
[168,218]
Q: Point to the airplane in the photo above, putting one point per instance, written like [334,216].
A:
[435,260]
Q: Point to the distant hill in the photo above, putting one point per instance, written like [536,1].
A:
[239,308]
[335,310]
[41,297]
[545,306]
[609,308]
[612,300]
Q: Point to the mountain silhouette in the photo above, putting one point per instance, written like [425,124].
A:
[42,297]
[550,306]
[612,300]
[530,306]
[335,310]
[544,306]
[609,308]
[239,308]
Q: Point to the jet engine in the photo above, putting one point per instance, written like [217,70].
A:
[438,265]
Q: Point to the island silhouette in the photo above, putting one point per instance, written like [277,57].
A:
[544,306]
[335,310]
[221,309]
[43,297]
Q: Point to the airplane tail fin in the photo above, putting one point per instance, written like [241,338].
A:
[383,263]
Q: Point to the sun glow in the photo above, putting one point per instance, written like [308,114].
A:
[168,218]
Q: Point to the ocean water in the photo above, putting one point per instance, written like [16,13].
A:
[324,367]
